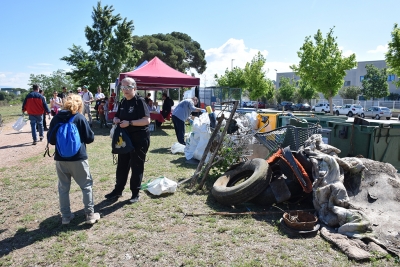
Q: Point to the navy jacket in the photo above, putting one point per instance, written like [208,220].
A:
[87,135]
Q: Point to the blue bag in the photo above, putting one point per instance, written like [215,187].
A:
[68,140]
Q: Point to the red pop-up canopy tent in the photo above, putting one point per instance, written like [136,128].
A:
[158,75]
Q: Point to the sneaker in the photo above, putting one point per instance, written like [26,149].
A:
[92,218]
[41,139]
[112,195]
[34,142]
[67,220]
[134,199]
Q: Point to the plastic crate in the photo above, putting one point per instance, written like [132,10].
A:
[287,136]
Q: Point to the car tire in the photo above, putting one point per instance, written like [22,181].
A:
[362,115]
[243,183]
[337,113]
[350,114]
[388,118]
[377,117]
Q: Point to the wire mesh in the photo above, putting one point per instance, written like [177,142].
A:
[287,136]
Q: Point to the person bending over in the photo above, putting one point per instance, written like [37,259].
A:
[181,114]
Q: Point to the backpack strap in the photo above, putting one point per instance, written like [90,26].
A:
[47,149]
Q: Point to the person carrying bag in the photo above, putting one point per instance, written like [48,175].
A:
[132,119]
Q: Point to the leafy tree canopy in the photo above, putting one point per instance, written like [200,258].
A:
[286,89]
[375,83]
[52,82]
[350,92]
[110,49]
[176,49]
[232,79]
[322,64]
[393,54]
[306,91]
[257,84]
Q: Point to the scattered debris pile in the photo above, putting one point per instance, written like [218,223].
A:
[356,199]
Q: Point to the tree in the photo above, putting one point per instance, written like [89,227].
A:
[393,96]
[256,82]
[177,50]
[350,92]
[375,83]
[231,79]
[52,82]
[286,89]
[393,54]
[306,91]
[110,49]
[322,64]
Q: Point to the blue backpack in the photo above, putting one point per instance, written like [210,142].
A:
[68,140]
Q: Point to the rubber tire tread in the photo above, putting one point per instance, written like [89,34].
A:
[246,190]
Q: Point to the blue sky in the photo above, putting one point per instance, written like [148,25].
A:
[36,34]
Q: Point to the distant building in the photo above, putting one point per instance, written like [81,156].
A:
[15,91]
[353,77]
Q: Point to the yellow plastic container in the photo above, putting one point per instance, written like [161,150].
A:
[264,118]
[209,109]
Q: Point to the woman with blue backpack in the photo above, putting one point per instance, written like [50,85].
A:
[70,132]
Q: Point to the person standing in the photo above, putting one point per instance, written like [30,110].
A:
[44,114]
[87,98]
[76,166]
[133,116]
[63,94]
[79,91]
[102,113]
[35,105]
[181,114]
[55,104]
[99,96]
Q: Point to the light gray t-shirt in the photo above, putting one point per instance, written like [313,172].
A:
[183,109]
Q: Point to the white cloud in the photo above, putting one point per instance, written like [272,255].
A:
[14,79]
[345,53]
[234,53]
[379,49]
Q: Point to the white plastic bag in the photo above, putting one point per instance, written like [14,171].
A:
[19,124]
[191,144]
[253,119]
[177,148]
[160,186]
[112,130]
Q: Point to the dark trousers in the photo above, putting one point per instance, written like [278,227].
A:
[44,121]
[133,161]
[103,120]
[179,126]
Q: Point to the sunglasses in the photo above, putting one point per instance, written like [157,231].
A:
[127,87]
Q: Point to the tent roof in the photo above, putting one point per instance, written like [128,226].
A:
[156,74]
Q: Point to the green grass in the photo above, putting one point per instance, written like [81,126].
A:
[152,232]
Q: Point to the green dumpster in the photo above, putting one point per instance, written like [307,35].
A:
[351,139]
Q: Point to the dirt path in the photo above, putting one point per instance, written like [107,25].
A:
[17,146]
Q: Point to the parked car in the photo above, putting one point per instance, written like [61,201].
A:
[302,107]
[323,107]
[378,112]
[261,105]
[350,110]
[249,104]
[286,105]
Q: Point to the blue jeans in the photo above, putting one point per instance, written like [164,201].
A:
[36,119]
